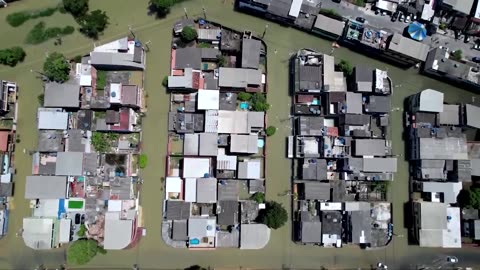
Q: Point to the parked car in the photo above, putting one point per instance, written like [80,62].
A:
[402,18]
[82,219]
[395,16]
[360,19]
[336,1]
[476,59]
[466,39]
[77,218]
[407,19]
[452,259]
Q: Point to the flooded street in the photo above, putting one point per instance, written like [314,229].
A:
[152,253]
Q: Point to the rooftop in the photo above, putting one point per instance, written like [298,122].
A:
[239,77]
[408,47]
[64,95]
[370,147]
[197,167]
[37,232]
[450,115]
[380,164]
[472,113]
[316,191]
[119,54]
[46,187]
[314,169]
[329,25]
[454,148]
[69,163]
[177,210]
[52,119]
[254,236]
[50,141]
[311,232]
[118,233]
[450,190]
[227,212]
[431,101]
[206,190]
[208,99]
[251,53]
[244,143]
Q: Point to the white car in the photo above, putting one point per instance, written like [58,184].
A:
[452,259]
[407,19]
[402,18]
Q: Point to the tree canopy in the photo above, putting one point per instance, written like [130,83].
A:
[188,34]
[56,67]
[102,142]
[345,67]
[270,130]
[469,198]
[162,6]
[259,102]
[12,56]
[82,251]
[93,24]
[274,216]
[77,8]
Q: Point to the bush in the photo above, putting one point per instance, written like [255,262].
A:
[101,79]
[162,6]
[56,67]
[457,55]
[442,26]
[259,197]
[469,198]
[82,231]
[19,18]
[77,59]
[221,60]
[203,45]
[142,161]
[360,3]
[102,142]
[270,130]
[82,251]
[259,103]
[165,81]
[41,99]
[93,24]
[345,67]
[188,34]
[244,96]
[40,34]
[77,8]
[274,216]
[12,56]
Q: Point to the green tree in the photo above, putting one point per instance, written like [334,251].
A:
[102,142]
[165,81]
[77,8]
[222,61]
[259,102]
[244,96]
[259,197]
[82,251]
[93,23]
[457,55]
[270,130]
[162,6]
[469,198]
[82,230]
[12,56]
[345,67]
[274,216]
[142,161]
[188,34]
[56,67]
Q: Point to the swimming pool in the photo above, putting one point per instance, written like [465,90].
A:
[244,105]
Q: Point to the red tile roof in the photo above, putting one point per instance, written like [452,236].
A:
[124,121]
[196,80]
[332,131]
[305,98]
[4,140]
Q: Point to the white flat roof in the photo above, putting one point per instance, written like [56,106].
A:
[173,184]
[431,101]
[195,167]
[37,232]
[118,233]
[114,205]
[64,231]
[331,206]
[51,119]
[232,122]
[208,99]
[115,93]
[451,236]
[254,236]
[191,189]
[295,8]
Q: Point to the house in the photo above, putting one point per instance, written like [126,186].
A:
[450,115]
[240,78]
[380,165]
[201,232]
[361,227]
[444,192]
[196,167]
[310,126]
[38,233]
[206,190]
[177,210]
[190,190]
[471,116]
[460,6]
[354,103]
[328,27]
[209,35]
[249,169]
[363,79]
[254,236]
[228,190]
[123,120]
[124,95]
[251,49]
[240,122]
[188,79]
[449,148]
[406,49]
[8,90]
[69,164]
[436,225]
[314,169]
[46,187]
[173,188]
[371,147]
[315,191]
[62,95]
[179,230]
[55,119]
[179,25]
[310,232]
[438,64]
[428,100]
[192,57]
[208,99]
[246,144]
[121,54]
[378,105]
[119,233]
[186,122]
[331,228]
[307,147]
[76,140]
[227,212]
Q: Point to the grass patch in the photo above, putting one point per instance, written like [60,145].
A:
[203,45]
[40,33]
[75,204]
[101,79]
[18,18]
[332,13]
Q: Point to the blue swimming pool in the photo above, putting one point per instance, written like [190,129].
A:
[244,105]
